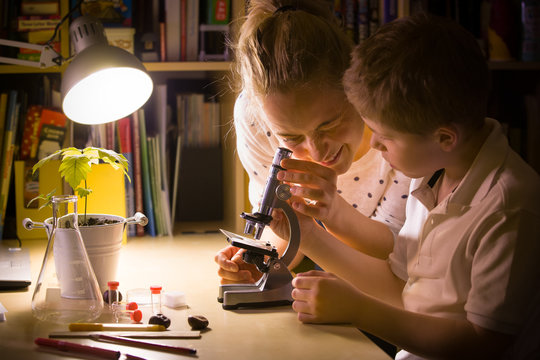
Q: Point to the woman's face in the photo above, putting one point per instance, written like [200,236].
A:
[318,126]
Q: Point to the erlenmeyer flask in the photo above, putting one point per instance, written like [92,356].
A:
[66,290]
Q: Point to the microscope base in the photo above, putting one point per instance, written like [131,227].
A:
[255,298]
[273,289]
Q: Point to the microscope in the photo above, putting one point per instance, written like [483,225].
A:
[274,287]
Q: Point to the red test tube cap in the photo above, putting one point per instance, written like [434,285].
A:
[136,316]
[132,306]
[155,289]
[113,285]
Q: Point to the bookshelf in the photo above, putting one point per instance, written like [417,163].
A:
[514,77]
[233,174]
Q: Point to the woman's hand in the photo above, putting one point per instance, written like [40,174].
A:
[311,181]
[321,297]
[233,269]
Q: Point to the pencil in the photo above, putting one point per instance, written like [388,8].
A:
[114,327]
[144,344]
[78,348]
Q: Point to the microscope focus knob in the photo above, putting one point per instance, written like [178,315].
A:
[283,192]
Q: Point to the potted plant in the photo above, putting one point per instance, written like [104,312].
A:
[102,233]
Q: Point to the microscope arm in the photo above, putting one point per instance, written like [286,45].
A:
[294,230]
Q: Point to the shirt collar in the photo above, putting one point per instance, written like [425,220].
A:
[481,176]
[478,180]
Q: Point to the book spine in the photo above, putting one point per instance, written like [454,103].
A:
[363,20]
[373,16]
[218,12]
[3,115]
[153,172]
[126,148]
[389,11]
[37,22]
[192,31]
[7,154]
[349,17]
[530,24]
[172,31]
[183,29]
[40,7]
[137,176]
[147,189]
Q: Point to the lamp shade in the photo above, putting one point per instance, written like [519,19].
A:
[102,83]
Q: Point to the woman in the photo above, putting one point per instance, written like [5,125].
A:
[290,59]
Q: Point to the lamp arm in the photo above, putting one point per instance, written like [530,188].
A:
[48,56]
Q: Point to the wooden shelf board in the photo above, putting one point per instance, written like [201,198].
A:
[188,66]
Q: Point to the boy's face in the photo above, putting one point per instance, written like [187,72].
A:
[414,155]
[318,126]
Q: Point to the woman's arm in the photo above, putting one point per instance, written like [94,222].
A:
[318,183]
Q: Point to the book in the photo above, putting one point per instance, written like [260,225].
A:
[110,13]
[388,11]
[12,117]
[37,22]
[530,25]
[172,30]
[51,138]
[39,7]
[183,29]
[126,148]
[363,20]
[163,127]
[176,176]
[153,172]
[3,110]
[532,112]
[147,189]
[403,8]
[374,16]
[137,172]
[349,17]
[218,12]
[192,30]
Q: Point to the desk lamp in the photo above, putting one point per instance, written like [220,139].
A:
[102,83]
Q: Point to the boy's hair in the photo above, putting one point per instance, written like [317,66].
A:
[284,45]
[418,73]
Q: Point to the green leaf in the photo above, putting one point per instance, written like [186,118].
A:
[47,198]
[75,169]
[82,192]
[45,160]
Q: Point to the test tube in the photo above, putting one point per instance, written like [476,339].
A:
[155,291]
[113,295]
[129,311]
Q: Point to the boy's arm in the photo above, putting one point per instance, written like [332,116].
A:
[360,232]
[371,274]
[313,181]
[324,298]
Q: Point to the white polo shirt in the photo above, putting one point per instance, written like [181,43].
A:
[476,254]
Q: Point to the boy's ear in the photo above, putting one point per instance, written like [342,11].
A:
[447,137]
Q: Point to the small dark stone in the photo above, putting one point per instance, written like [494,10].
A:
[106,296]
[197,322]
[160,319]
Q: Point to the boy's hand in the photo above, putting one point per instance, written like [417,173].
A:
[321,297]
[311,181]
[233,269]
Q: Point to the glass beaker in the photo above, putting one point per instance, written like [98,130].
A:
[66,290]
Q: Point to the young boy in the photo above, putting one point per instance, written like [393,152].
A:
[463,278]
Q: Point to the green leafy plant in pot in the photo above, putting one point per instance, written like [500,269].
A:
[75,165]
[102,233]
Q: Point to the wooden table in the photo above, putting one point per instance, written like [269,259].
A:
[186,263]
